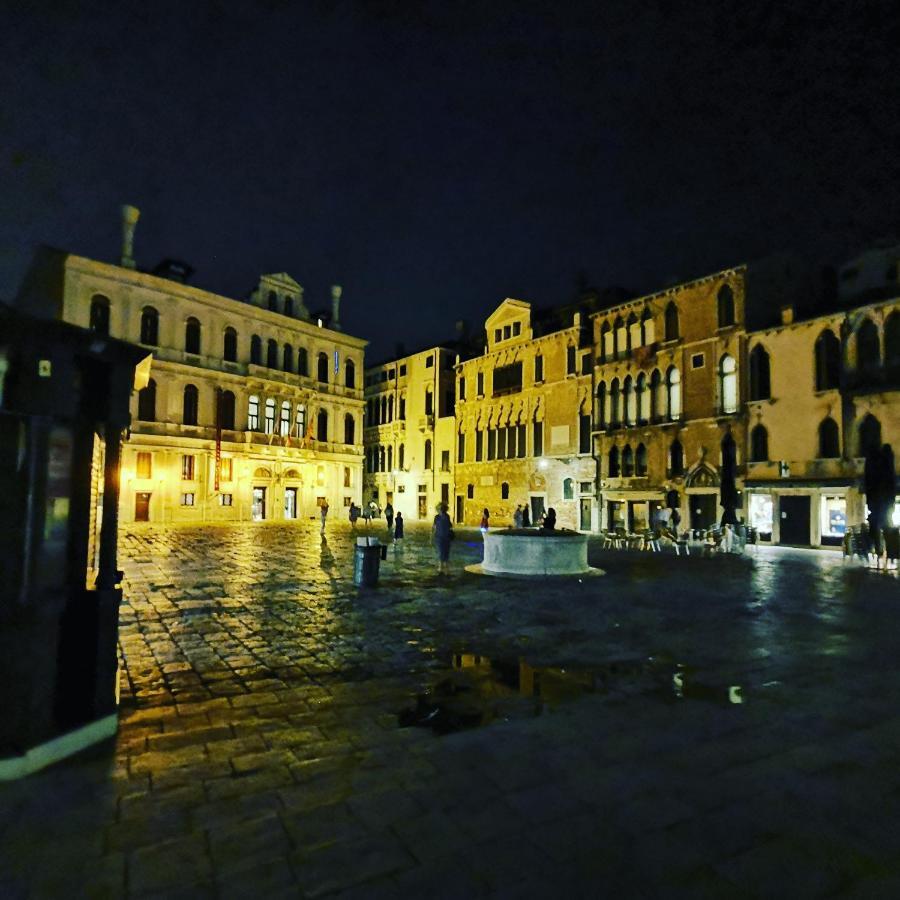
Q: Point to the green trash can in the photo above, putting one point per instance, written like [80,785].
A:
[367,561]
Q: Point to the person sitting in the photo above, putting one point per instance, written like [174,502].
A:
[549,522]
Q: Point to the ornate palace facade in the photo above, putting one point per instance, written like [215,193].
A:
[254,409]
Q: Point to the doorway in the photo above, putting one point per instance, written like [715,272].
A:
[703,510]
[585,513]
[459,509]
[423,506]
[142,507]
[445,495]
[794,512]
[290,503]
[258,507]
[537,508]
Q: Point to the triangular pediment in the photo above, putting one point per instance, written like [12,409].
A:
[507,309]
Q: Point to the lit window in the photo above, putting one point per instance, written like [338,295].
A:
[187,468]
[187,499]
[284,426]
[225,470]
[253,413]
[225,499]
[144,466]
[270,416]
[728,384]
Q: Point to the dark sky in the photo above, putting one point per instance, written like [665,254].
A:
[434,158]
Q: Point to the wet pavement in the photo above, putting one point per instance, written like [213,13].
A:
[680,727]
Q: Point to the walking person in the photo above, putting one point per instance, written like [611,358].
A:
[323,512]
[517,516]
[398,528]
[485,520]
[389,516]
[442,534]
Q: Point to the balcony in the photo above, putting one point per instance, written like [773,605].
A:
[426,423]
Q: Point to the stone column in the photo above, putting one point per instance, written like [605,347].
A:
[130,216]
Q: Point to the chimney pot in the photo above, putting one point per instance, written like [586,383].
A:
[787,314]
[130,216]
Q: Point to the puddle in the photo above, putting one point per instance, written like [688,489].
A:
[478,690]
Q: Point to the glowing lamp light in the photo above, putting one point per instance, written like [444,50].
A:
[543,464]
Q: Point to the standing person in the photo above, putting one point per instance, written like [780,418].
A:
[441,534]
[517,516]
[549,523]
[323,512]
[354,515]
[389,516]
[485,521]
[526,516]
[398,528]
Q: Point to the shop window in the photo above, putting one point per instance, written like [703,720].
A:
[832,519]
[761,514]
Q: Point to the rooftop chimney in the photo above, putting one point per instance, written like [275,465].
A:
[787,314]
[130,215]
[336,307]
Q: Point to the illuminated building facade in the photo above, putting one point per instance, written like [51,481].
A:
[254,410]
[668,398]
[410,433]
[820,392]
[523,424]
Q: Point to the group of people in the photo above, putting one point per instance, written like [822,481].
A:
[522,517]
[394,524]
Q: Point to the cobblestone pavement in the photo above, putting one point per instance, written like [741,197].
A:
[260,753]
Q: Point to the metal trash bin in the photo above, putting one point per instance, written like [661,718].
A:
[367,560]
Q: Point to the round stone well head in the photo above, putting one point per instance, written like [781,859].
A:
[529,552]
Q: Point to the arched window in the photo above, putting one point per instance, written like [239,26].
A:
[302,361]
[150,326]
[384,417]
[189,407]
[640,461]
[288,306]
[600,413]
[381,459]
[648,331]
[725,303]
[568,489]
[504,491]
[428,454]
[627,462]
[643,399]
[349,429]
[192,336]
[269,423]
[99,315]
[892,340]
[614,462]
[628,401]
[728,384]
[607,349]
[634,331]
[869,435]
[226,410]
[300,421]
[390,408]
[760,382]
[676,459]
[621,337]
[829,439]
[272,353]
[868,353]
[322,425]
[614,403]
[287,358]
[147,402]
[401,457]
[390,459]
[673,393]
[671,321]
[828,361]
[284,423]
[655,381]
[253,413]
[759,444]
[229,345]
[322,372]
[256,350]
[273,301]
[350,374]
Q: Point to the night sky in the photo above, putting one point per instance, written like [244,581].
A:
[434,158]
